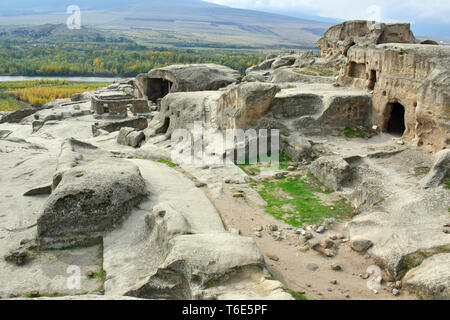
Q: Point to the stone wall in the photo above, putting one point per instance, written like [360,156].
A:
[119,107]
[416,77]
[341,37]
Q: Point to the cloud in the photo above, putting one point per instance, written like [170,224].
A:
[388,11]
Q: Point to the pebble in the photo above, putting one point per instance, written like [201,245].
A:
[328,244]
[304,248]
[280,175]
[312,267]
[200,185]
[273,257]
[334,282]
[329,253]
[308,236]
[238,195]
[272,227]
[364,276]
[259,228]
[90,274]
[320,229]
[330,290]
[258,234]
[336,267]
[395,292]
[35,294]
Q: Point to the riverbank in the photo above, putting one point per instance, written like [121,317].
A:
[20,94]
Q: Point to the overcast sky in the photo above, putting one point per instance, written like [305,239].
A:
[434,11]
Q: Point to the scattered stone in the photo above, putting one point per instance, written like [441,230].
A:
[200,185]
[277,235]
[258,234]
[400,142]
[280,175]
[273,257]
[361,245]
[395,292]
[336,267]
[90,274]
[304,248]
[308,236]
[18,257]
[330,253]
[291,168]
[272,227]
[329,222]
[333,237]
[328,244]
[259,228]
[238,195]
[364,276]
[315,244]
[334,282]
[320,229]
[398,285]
[312,267]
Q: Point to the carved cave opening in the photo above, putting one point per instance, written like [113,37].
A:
[396,124]
[158,88]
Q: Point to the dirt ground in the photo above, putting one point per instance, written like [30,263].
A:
[294,268]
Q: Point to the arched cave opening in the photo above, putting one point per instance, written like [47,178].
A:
[396,124]
[158,88]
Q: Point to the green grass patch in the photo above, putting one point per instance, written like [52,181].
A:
[421,171]
[297,295]
[354,133]
[98,275]
[9,103]
[296,201]
[447,183]
[318,71]
[169,163]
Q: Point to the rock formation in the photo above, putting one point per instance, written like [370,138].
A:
[357,121]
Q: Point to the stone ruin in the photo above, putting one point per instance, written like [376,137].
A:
[158,245]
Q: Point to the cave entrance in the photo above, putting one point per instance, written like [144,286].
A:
[396,124]
[372,79]
[158,88]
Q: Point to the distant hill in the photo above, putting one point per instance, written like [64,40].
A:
[173,22]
